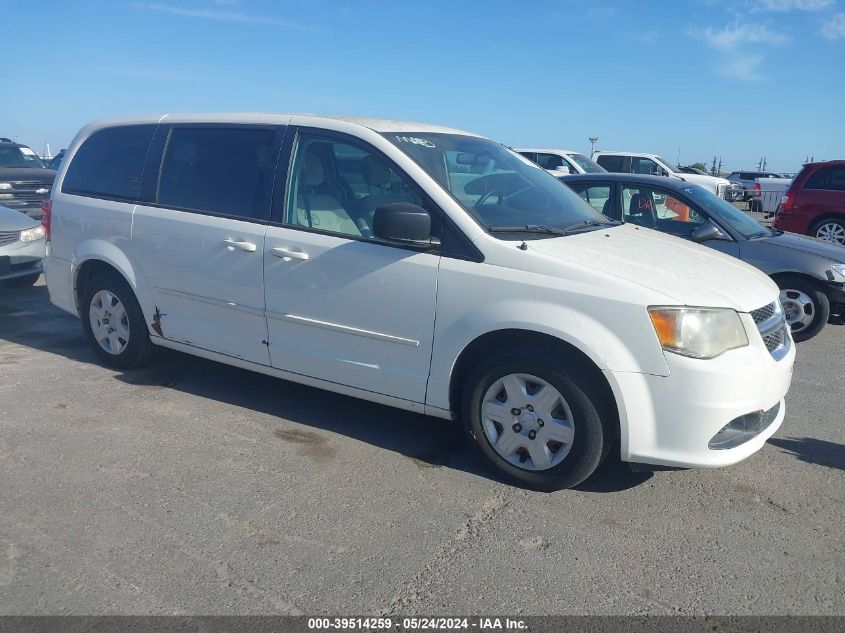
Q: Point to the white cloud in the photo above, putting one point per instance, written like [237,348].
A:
[733,36]
[742,67]
[834,28]
[783,6]
[223,16]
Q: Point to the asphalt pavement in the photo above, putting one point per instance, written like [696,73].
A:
[190,487]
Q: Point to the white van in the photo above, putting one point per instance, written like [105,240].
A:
[420,267]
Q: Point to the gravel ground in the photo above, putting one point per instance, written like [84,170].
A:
[191,487]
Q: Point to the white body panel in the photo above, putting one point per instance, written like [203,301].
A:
[388,324]
[770,192]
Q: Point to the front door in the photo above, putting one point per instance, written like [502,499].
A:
[200,244]
[342,305]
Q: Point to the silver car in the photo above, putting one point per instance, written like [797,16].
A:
[22,247]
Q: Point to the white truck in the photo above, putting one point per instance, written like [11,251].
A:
[767,194]
[654,165]
[562,161]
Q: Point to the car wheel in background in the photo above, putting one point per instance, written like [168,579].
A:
[830,229]
[536,424]
[113,322]
[805,305]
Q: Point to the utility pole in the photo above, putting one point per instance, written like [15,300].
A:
[593,141]
[764,164]
[719,171]
[713,168]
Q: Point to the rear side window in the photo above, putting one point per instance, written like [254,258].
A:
[831,178]
[610,163]
[218,170]
[550,161]
[110,162]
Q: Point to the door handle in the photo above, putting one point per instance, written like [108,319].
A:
[248,247]
[286,254]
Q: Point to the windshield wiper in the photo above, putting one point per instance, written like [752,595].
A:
[552,230]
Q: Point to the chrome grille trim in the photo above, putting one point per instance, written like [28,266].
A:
[772,326]
[7,237]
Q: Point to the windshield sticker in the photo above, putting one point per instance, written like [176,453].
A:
[26,151]
[415,141]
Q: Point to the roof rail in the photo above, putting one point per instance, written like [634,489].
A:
[6,140]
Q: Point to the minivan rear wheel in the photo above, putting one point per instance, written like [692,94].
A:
[805,306]
[830,229]
[114,323]
[536,423]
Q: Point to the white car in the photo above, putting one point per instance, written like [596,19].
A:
[562,161]
[654,165]
[423,268]
[22,247]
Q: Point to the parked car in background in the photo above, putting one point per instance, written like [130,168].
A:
[24,180]
[654,165]
[810,273]
[767,194]
[815,202]
[21,248]
[558,161]
[461,280]
[748,178]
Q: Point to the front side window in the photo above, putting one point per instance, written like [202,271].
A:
[656,209]
[503,191]
[110,162]
[12,156]
[336,186]
[644,166]
[218,170]
[550,161]
[726,213]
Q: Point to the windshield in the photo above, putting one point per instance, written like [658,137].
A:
[496,186]
[727,213]
[589,166]
[19,157]
[665,164]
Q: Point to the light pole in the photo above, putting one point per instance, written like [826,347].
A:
[593,141]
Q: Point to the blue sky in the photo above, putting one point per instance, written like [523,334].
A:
[737,78]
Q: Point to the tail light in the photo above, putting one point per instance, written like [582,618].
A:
[46,210]
[787,200]
[757,191]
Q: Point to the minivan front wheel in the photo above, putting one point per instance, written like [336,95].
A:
[534,423]
[113,322]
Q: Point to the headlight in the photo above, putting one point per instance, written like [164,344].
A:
[698,332]
[30,235]
[5,186]
[839,269]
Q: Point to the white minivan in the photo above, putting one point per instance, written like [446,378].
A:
[419,267]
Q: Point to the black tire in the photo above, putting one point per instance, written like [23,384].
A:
[821,305]
[138,348]
[22,282]
[594,425]
[817,225]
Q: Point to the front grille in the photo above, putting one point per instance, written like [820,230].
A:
[761,314]
[7,237]
[774,340]
[772,327]
[29,190]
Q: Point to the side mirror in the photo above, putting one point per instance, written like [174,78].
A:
[564,169]
[705,232]
[403,222]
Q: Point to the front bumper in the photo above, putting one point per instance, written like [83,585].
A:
[672,420]
[20,259]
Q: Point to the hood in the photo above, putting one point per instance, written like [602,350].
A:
[685,272]
[710,181]
[27,173]
[811,245]
[11,220]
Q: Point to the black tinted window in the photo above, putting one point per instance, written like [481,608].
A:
[610,163]
[549,161]
[224,170]
[832,178]
[110,162]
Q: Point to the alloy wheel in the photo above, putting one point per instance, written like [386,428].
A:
[831,232]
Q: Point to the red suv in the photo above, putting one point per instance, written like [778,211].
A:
[815,202]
